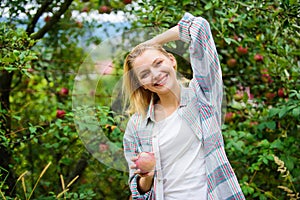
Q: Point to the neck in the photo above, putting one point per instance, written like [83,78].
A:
[171,99]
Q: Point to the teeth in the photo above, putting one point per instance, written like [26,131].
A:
[160,81]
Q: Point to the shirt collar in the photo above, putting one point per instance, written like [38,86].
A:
[184,98]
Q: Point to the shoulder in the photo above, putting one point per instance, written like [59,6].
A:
[135,121]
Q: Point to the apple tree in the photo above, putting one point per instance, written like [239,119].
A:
[42,155]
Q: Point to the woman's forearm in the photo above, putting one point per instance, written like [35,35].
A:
[169,35]
[145,183]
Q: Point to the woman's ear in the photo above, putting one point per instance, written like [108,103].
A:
[173,60]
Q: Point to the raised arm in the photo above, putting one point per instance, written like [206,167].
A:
[169,35]
[207,75]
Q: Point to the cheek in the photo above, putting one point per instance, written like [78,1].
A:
[146,82]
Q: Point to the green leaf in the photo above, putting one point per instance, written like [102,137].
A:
[277,144]
[229,40]
[66,161]
[265,143]
[271,125]
[273,112]
[296,112]
[208,6]
[282,112]
[32,129]
[265,160]
[16,117]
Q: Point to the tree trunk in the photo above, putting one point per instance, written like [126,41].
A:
[80,167]
[5,126]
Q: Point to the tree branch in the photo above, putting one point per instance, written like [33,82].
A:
[38,14]
[52,21]
[80,166]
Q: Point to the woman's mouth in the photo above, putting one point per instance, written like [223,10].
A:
[162,81]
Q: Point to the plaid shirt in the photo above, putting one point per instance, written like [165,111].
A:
[200,107]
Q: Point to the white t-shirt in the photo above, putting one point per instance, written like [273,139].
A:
[182,160]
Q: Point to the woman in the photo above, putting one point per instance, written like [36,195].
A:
[181,126]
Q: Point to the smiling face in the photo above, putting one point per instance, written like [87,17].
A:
[156,71]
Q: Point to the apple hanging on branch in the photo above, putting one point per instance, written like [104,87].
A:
[258,58]
[60,114]
[64,91]
[282,92]
[104,9]
[242,50]
[127,1]
[231,62]
[85,9]
[47,18]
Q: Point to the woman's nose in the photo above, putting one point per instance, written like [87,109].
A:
[155,74]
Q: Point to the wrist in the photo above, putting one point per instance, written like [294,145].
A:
[144,183]
[171,34]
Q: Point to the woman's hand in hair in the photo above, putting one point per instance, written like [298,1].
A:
[169,35]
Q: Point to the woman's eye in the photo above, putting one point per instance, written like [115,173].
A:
[159,62]
[144,75]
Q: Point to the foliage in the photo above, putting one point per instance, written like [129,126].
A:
[258,45]
[15,51]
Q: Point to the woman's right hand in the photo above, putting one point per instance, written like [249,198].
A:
[138,171]
[144,180]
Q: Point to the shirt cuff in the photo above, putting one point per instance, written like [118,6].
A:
[184,27]
[134,189]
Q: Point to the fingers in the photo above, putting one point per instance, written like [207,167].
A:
[138,171]
[133,166]
[133,159]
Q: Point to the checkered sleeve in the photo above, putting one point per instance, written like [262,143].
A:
[204,60]
[207,84]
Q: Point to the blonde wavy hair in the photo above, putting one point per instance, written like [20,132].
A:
[136,97]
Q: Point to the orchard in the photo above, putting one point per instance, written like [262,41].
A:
[44,44]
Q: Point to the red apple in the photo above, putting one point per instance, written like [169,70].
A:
[85,9]
[242,50]
[270,95]
[281,92]
[127,1]
[238,96]
[79,24]
[60,114]
[231,62]
[64,91]
[145,162]
[47,18]
[266,78]
[253,123]
[229,117]
[104,9]
[258,58]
